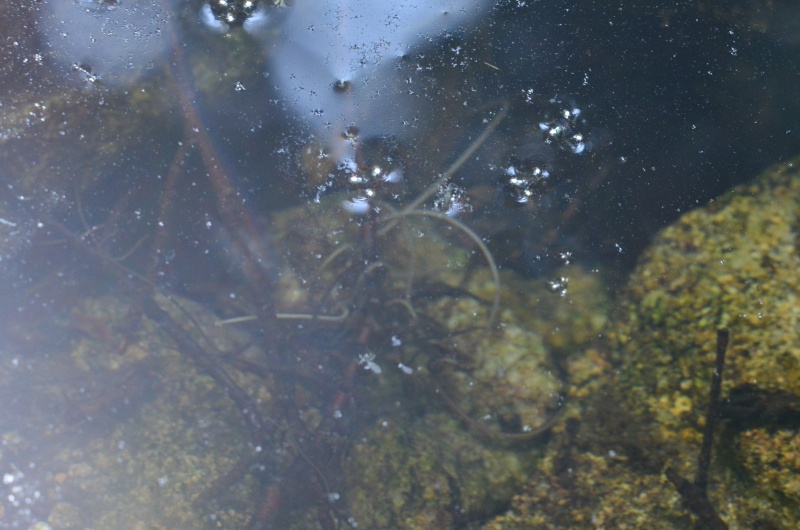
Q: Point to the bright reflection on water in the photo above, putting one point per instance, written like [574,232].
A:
[261,261]
[353,64]
[114,41]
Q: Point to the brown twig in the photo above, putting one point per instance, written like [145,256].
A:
[230,205]
[695,494]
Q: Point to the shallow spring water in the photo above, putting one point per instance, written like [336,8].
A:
[122,123]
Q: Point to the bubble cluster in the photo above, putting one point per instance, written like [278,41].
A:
[365,174]
[452,200]
[232,12]
[367,181]
[525,178]
[559,285]
[559,133]
[565,129]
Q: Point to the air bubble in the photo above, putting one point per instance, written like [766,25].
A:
[452,200]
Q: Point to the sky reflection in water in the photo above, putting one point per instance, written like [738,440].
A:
[336,64]
[620,119]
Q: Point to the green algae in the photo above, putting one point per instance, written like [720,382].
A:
[729,265]
[428,474]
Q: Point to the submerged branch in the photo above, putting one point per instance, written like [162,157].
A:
[695,494]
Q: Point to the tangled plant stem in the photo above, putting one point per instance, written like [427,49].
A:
[474,238]
[384,224]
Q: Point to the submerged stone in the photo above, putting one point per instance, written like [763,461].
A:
[730,265]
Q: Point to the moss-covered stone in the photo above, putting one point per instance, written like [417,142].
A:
[429,474]
[730,265]
[733,265]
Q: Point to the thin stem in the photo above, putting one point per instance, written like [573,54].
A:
[395,218]
[341,317]
[704,460]
[455,166]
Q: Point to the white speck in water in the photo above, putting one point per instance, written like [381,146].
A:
[405,369]
[367,360]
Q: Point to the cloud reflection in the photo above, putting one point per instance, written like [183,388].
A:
[337,64]
[340,63]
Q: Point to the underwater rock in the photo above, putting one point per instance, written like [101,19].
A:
[126,440]
[429,474]
[733,265]
[441,470]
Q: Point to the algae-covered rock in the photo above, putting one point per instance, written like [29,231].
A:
[732,265]
[600,491]
[131,437]
[429,473]
[465,435]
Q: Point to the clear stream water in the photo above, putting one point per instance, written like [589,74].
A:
[583,127]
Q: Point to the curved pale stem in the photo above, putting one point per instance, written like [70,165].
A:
[468,153]
[393,219]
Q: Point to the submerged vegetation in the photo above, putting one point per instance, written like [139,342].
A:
[195,341]
[248,406]
[410,296]
[731,264]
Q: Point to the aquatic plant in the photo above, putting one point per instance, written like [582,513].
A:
[356,280]
[391,264]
